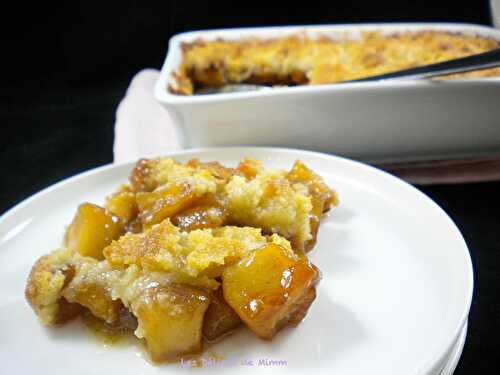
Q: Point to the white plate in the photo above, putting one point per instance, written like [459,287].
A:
[395,293]
[452,362]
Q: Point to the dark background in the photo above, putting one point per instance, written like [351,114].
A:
[65,67]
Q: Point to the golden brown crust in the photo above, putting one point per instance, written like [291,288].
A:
[49,275]
[195,257]
[199,195]
[298,60]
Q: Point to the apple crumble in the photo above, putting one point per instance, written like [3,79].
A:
[188,252]
[301,60]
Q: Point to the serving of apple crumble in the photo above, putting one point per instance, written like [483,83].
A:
[189,252]
[301,60]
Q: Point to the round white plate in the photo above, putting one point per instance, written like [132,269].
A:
[395,292]
[452,362]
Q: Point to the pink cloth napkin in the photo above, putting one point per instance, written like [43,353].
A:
[144,128]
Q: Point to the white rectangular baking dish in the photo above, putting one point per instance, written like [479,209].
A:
[375,121]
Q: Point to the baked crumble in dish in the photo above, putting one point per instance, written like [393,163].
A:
[186,253]
[301,60]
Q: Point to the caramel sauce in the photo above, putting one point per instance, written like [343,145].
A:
[122,334]
[119,334]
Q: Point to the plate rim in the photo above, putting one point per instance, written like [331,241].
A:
[446,345]
[456,353]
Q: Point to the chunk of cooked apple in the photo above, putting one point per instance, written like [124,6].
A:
[163,203]
[220,318]
[142,176]
[170,319]
[270,288]
[209,212]
[94,295]
[323,195]
[322,199]
[92,229]
[122,204]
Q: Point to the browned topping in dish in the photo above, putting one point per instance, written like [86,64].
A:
[188,251]
[300,60]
